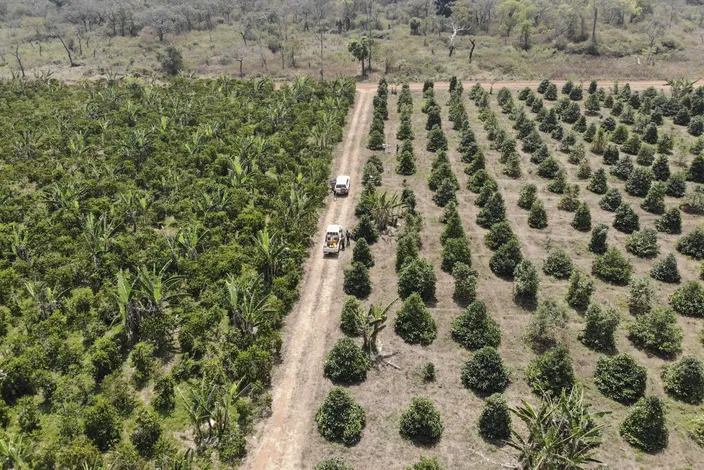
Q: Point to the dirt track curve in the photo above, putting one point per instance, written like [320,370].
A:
[281,439]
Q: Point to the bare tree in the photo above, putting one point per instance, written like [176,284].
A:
[319,12]
[471,49]
[68,51]
[655,30]
[456,28]
[18,57]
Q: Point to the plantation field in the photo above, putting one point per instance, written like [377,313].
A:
[397,374]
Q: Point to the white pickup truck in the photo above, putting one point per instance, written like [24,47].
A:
[333,238]
[342,185]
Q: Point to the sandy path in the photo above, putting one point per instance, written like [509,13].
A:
[635,85]
[281,439]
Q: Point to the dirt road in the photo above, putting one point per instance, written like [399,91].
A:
[281,439]
[635,85]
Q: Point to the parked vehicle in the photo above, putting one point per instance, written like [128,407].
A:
[342,185]
[334,238]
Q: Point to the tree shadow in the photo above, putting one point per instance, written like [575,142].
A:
[526,303]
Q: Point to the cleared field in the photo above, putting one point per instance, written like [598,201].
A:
[387,391]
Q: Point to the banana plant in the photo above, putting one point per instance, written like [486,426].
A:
[189,239]
[48,300]
[270,249]
[372,323]
[215,202]
[199,400]
[14,452]
[18,244]
[98,234]
[64,195]
[239,172]
[247,308]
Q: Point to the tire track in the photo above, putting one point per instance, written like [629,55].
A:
[284,435]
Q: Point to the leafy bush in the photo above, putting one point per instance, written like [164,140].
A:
[417,276]
[645,427]
[620,134]
[548,168]
[689,299]
[526,281]
[639,181]
[580,290]
[426,464]
[558,264]
[643,243]
[677,185]
[546,324]
[538,217]
[498,235]
[340,418]
[623,168]
[102,425]
[597,242]
[696,169]
[453,227]
[362,254]
[621,378]
[406,163]
[695,429]
[146,433]
[436,140]
[584,171]
[504,261]
[611,154]
[357,282]
[685,380]
[475,329]
[551,372]
[455,250]
[597,184]
[657,331]
[406,250]
[485,373]
[171,61]
[640,297]
[465,283]
[600,328]
[414,323]
[612,267]
[164,399]
[654,202]
[27,414]
[332,464]
[582,218]
[692,244]
[376,140]
[570,200]
[367,229]
[493,212]
[495,419]
[445,194]
[421,423]
[346,362]
[626,220]
[666,270]
[611,201]
[646,155]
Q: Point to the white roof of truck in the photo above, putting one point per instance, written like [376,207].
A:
[342,180]
[334,228]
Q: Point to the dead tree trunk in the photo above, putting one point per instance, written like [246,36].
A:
[471,50]
[18,57]
[68,52]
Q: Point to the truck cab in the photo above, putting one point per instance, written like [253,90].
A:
[342,185]
[333,237]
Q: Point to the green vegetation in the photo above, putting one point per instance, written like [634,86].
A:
[340,418]
[346,362]
[421,422]
[485,373]
[645,427]
[621,378]
[495,419]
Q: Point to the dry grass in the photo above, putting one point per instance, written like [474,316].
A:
[387,392]
[397,53]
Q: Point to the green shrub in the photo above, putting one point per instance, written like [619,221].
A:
[682,118]
[558,264]
[612,267]
[582,218]
[414,323]
[695,429]
[465,283]
[417,276]
[670,222]
[493,212]
[551,372]
[651,134]
[640,297]
[146,433]
[623,168]
[580,290]
[551,92]
[498,235]
[600,328]
[584,171]
[643,243]
[611,201]
[340,418]
[376,140]
[570,200]
[478,180]
[526,280]
[164,399]
[677,185]
[684,380]
[692,244]
[346,363]
[657,332]
[538,217]
[332,464]
[504,260]
[171,61]
[645,427]
[421,423]
[689,299]
[475,329]
[639,181]
[453,228]
[597,242]
[485,373]
[598,184]
[527,196]
[488,190]
[102,425]
[371,175]
[590,133]
[666,270]
[696,170]
[611,154]
[626,220]
[445,194]
[495,419]
[356,281]
[406,250]
[548,168]
[427,372]
[559,183]
[620,134]
[436,140]
[455,250]
[27,414]
[654,202]
[406,164]
[426,464]
[547,324]
[646,155]
[539,155]
[434,118]
[621,378]
[441,173]
[362,254]
[367,229]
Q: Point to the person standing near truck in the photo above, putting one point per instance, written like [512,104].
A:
[347,237]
